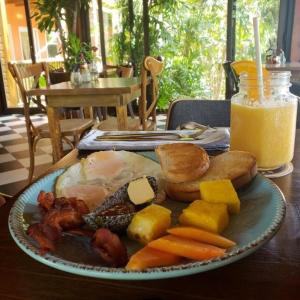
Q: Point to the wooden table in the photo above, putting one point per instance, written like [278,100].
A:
[116,92]
[272,272]
[293,67]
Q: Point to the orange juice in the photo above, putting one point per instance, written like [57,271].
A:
[267,130]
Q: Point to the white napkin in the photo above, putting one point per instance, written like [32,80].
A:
[211,139]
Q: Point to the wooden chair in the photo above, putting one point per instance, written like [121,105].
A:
[215,113]
[150,69]
[69,127]
[232,82]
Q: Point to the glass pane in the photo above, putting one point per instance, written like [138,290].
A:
[191,38]
[193,45]
[94,27]
[111,21]
[269,12]
[24,40]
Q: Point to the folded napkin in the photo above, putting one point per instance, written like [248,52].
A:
[211,139]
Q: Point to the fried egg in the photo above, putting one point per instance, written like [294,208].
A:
[101,173]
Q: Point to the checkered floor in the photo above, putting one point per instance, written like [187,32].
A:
[14,155]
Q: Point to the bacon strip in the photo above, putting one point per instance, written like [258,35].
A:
[59,214]
[110,248]
[46,200]
[44,235]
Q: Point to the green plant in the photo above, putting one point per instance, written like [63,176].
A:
[191,37]
[50,15]
[74,50]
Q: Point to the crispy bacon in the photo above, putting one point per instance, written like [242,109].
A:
[46,200]
[78,205]
[44,235]
[59,214]
[80,232]
[110,248]
[64,218]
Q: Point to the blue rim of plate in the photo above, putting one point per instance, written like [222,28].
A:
[17,231]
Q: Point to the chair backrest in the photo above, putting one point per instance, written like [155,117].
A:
[125,71]
[232,80]
[120,71]
[150,69]
[22,74]
[215,113]
[28,72]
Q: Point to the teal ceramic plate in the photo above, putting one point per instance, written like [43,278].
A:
[262,211]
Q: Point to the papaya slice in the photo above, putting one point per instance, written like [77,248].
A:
[148,257]
[201,235]
[186,247]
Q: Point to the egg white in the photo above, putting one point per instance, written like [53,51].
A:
[134,166]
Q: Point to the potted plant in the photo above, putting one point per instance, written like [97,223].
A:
[49,16]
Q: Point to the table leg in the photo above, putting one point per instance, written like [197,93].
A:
[55,133]
[88,112]
[122,117]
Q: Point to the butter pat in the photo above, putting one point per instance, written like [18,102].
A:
[140,191]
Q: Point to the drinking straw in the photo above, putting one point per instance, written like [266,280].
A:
[258,60]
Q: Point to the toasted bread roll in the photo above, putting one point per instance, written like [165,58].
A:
[182,162]
[238,166]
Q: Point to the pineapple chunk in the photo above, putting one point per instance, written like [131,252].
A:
[209,216]
[220,191]
[149,223]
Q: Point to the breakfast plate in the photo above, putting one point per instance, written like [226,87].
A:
[262,212]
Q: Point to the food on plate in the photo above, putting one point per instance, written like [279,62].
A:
[116,218]
[110,248]
[186,248]
[238,166]
[149,223]
[44,235]
[201,235]
[117,211]
[209,216]
[148,257]
[140,191]
[46,200]
[102,173]
[220,191]
[58,214]
[182,162]
[112,192]
[102,164]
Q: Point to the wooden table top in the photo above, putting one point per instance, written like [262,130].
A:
[292,66]
[103,86]
[272,272]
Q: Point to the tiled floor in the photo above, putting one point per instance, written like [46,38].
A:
[14,155]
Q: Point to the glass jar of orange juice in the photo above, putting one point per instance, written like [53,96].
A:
[264,127]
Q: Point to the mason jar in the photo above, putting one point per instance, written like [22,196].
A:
[265,127]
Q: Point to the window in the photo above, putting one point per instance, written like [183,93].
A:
[53,44]
[269,15]
[24,43]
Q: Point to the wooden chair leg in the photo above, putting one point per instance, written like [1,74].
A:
[35,140]
[68,142]
[76,139]
[130,109]
[97,113]
[31,159]
[104,112]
